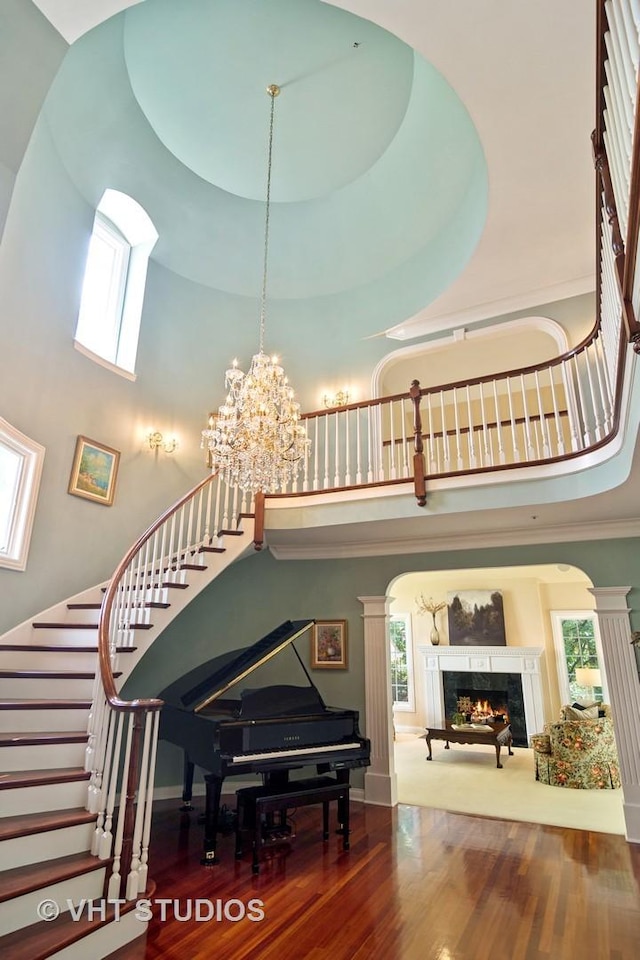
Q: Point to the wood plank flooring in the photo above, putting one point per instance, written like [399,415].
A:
[417,884]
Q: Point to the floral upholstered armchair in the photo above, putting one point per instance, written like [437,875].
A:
[579,750]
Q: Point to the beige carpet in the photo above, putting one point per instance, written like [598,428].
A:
[465,779]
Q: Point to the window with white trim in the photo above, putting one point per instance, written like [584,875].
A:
[401,662]
[122,239]
[577,642]
[20,470]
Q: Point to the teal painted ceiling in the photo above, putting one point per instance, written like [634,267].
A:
[379,178]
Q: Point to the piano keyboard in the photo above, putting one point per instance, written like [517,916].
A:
[301,751]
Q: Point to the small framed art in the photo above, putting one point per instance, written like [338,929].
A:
[329,645]
[94,471]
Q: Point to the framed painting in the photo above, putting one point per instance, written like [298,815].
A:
[94,471]
[476,618]
[329,645]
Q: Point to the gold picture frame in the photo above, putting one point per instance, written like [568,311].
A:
[94,471]
[329,645]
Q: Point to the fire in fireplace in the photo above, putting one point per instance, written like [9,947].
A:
[491,705]
[491,695]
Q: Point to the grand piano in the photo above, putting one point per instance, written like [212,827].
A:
[267,730]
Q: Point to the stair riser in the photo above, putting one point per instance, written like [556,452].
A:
[33,721]
[47,660]
[59,637]
[23,911]
[51,844]
[105,940]
[42,756]
[41,688]
[50,796]
[82,616]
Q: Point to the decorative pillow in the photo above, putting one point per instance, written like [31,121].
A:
[581,713]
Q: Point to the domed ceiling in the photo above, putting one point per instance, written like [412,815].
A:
[379,180]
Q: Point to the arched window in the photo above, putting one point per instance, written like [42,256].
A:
[20,470]
[122,239]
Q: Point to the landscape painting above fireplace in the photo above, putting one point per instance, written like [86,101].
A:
[476,618]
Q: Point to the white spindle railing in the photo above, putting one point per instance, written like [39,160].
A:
[535,415]
[622,46]
[121,748]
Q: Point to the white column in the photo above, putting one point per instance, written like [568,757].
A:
[623,684]
[380,785]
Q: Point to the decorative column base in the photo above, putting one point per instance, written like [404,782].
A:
[381,789]
[623,683]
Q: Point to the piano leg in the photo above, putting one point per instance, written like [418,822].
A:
[187,784]
[211,813]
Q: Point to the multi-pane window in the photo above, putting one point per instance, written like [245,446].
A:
[580,668]
[401,662]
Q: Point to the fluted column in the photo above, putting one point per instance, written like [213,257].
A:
[380,784]
[621,672]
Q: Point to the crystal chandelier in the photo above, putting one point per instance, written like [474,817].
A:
[256,440]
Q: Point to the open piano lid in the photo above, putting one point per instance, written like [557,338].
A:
[198,688]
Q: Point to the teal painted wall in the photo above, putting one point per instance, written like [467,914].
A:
[258,593]
[31,51]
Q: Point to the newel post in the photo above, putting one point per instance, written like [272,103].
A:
[258,523]
[419,465]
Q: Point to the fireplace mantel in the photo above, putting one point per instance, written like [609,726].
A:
[527,661]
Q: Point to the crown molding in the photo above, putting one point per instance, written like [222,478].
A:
[522,536]
[425,323]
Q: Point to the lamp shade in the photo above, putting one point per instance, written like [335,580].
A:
[588,677]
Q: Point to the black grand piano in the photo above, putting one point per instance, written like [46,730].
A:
[268,730]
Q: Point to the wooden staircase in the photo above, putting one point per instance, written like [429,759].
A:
[47,671]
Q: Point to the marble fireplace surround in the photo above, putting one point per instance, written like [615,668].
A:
[527,661]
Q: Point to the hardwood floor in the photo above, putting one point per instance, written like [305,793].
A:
[417,884]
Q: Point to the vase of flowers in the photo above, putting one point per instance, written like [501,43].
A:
[430,606]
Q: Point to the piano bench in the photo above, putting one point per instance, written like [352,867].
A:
[255,802]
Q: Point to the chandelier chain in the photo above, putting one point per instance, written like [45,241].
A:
[263,297]
[256,440]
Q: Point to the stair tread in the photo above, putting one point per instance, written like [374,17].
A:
[50,674]
[20,880]
[47,625]
[27,739]
[10,703]
[42,940]
[25,824]
[36,778]
[70,648]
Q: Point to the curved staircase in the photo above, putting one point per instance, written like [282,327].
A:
[49,678]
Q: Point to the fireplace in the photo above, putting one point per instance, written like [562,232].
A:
[489,694]
[517,671]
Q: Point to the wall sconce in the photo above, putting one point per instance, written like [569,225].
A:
[339,399]
[157,441]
